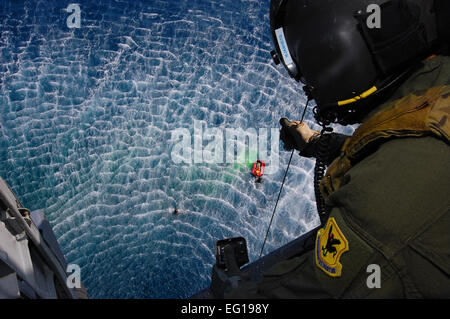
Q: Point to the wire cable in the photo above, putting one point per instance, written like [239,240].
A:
[282,184]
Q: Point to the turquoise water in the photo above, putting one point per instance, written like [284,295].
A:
[86,123]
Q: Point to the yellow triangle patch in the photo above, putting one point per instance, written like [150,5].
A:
[330,245]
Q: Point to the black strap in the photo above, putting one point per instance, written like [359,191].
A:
[442,10]
[319,172]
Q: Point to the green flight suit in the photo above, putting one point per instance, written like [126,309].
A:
[393,209]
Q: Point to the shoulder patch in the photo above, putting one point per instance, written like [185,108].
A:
[330,245]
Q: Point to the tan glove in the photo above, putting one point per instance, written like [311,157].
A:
[296,134]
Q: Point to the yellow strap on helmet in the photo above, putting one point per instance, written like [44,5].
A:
[359,97]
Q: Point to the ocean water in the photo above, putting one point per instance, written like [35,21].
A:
[87,117]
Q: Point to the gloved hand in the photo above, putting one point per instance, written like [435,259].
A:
[296,134]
